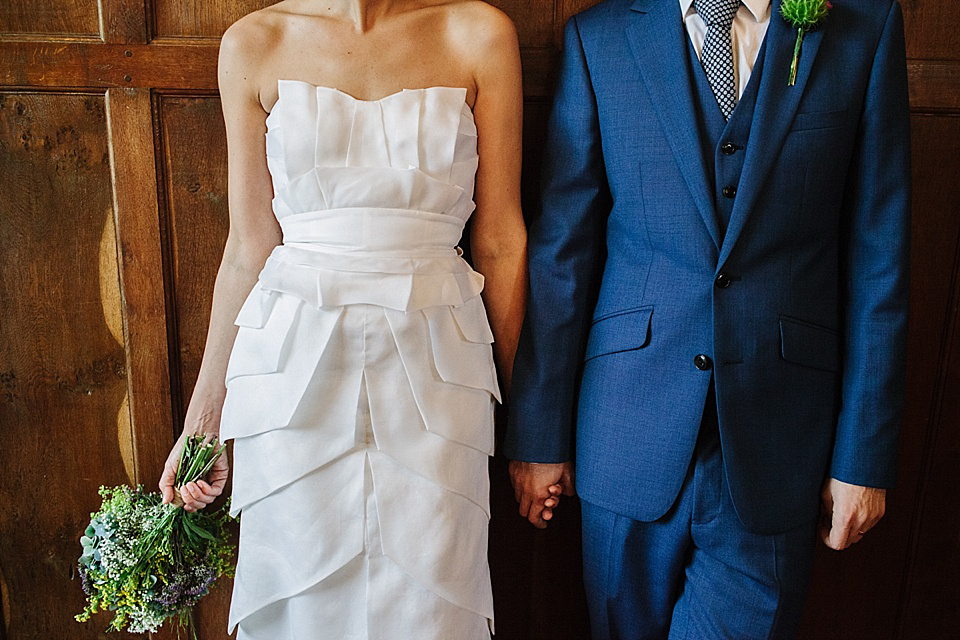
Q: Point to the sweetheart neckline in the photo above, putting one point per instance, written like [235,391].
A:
[341,92]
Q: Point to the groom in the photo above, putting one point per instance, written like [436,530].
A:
[718,305]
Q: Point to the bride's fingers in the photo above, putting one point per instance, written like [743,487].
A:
[200,495]
[210,490]
[166,484]
[197,498]
[188,501]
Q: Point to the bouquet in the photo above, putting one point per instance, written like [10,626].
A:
[150,562]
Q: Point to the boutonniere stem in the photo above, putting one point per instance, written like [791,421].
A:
[804,16]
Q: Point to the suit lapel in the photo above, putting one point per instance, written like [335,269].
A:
[776,105]
[657,40]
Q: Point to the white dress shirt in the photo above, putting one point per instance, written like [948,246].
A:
[749,27]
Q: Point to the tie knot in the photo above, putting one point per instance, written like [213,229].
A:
[717,12]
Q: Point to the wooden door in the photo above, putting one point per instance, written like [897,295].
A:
[112,219]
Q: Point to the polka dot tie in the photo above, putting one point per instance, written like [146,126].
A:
[717,55]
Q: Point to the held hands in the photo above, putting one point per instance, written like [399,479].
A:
[849,511]
[538,487]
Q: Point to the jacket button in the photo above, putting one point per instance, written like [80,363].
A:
[702,362]
[729,192]
[722,281]
[728,149]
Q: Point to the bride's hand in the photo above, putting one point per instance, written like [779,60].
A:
[195,495]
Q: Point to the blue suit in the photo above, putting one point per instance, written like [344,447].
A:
[772,271]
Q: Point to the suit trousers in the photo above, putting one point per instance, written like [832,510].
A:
[697,572]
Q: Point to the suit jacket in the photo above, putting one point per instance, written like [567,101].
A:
[797,312]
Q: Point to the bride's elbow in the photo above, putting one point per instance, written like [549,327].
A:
[247,254]
[499,241]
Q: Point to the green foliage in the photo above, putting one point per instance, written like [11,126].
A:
[804,14]
[149,562]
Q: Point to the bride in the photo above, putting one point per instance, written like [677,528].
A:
[349,352]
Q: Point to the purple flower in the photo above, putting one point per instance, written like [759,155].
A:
[85,580]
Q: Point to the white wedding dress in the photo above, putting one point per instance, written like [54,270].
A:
[361,387]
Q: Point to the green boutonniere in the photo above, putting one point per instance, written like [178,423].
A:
[804,15]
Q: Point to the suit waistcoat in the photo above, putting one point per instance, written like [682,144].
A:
[723,142]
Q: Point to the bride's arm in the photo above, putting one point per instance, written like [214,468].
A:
[498,240]
[254,232]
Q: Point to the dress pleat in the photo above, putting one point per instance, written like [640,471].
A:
[361,387]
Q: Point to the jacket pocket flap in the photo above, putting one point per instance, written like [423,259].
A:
[808,344]
[623,331]
[818,120]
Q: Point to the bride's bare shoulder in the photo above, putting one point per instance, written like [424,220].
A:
[479,17]
[481,27]
[484,33]
[257,33]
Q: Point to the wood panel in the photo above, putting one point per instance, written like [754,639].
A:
[63,392]
[63,18]
[932,589]
[534,20]
[195,220]
[130,130]
[200,18]
[47,64]
[931,28]
[195,224]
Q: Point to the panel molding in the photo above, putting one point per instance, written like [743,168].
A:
[107,65]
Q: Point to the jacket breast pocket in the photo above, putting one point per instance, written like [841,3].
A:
[809,120]
[621,331]
[809,345]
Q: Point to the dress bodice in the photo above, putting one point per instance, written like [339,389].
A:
[415,149]
[372,197]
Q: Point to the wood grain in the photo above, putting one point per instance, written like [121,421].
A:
[46,64]
[134,178]
[201,18]
[49,17]
[934,85]
[931,29]
[63,377]
[124,21]
[195,221]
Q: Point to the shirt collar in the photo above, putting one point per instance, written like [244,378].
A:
[759,8]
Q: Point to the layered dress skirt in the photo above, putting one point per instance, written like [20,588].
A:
[361,387]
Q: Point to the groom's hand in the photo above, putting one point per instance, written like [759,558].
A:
[849,511]
[538,486]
